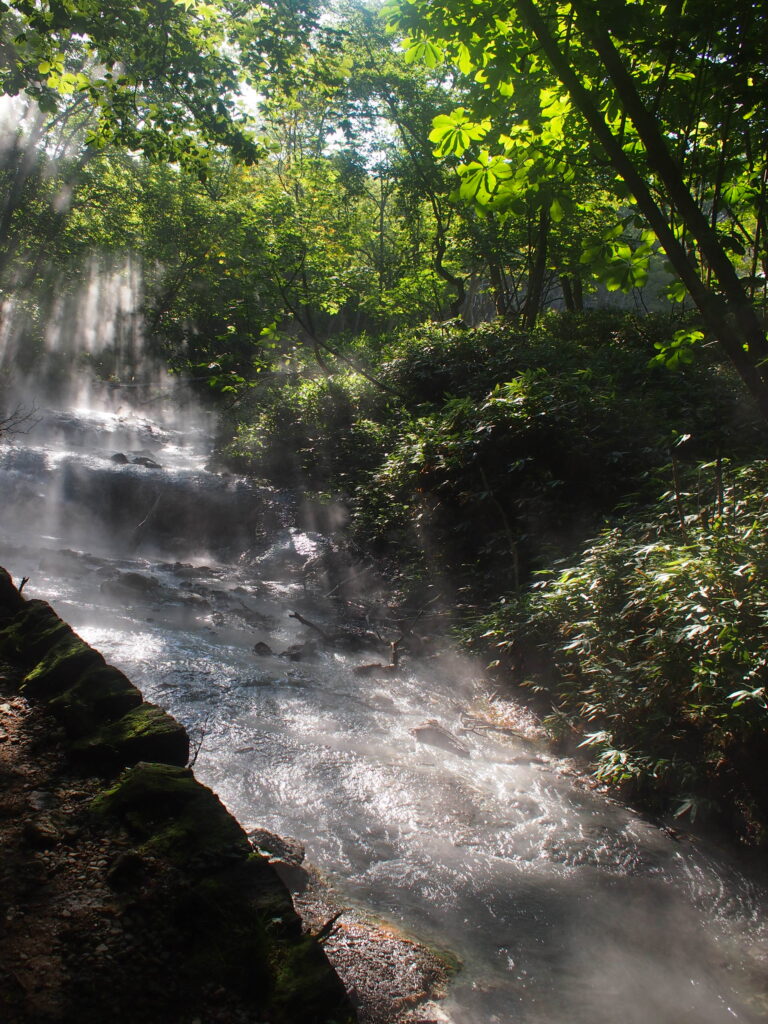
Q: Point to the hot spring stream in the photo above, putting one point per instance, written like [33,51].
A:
[564,907]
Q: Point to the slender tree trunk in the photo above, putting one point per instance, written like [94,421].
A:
[565,286]
[499,288]
[670,174]
[578,293]
[534,298]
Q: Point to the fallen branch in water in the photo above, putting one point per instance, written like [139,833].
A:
[148,515]
[311,625]
[376,666]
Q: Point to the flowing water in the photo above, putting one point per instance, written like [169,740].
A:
[564,906]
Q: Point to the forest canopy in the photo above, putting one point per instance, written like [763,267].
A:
[533,143]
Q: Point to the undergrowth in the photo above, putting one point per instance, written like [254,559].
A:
[488,451]
[651,648]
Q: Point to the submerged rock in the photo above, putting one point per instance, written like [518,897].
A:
[436,735]
[284,847]
[298,652]
[132,584]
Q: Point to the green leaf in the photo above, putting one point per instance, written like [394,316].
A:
[676,291]
[423,50]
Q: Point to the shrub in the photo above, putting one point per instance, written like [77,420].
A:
[653,646]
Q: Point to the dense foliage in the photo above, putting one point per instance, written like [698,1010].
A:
[611,91]
[651,647]
[502,448]
[386,261]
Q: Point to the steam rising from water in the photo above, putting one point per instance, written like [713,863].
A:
[88,354]
[564,906]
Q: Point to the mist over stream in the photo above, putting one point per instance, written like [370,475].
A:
[563,905]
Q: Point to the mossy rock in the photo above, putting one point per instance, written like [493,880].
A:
[32,632]
[100,696]
[242,939]
[147,733]
[174,815]
[239,925]
[60,667]
[305,988]
[230,936]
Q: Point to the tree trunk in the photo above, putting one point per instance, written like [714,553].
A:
[565,287]
[731,318]
[535,296]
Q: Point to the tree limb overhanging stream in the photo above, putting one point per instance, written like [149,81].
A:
[422,799]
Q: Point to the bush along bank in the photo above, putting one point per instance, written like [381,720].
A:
[486,453]
[650,649]
[485,457]
[228,921]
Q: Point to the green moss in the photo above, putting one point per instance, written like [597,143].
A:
[101,695]
[33,630]
[245,934]
[229,943]
[234,920]
[60,667]
[173,814]
[147,733]
[304,987]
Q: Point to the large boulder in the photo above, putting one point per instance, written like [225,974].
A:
[146,733]
[32,631]
[241,929]
[10,598]
[102,694]
[61,666]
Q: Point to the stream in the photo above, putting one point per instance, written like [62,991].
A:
[564,906]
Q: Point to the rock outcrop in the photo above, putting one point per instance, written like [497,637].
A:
[235,927]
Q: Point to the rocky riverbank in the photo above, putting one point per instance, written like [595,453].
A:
[129,893]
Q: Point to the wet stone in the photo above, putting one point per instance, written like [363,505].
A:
[285,848]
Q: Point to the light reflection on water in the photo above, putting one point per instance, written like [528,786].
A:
[563,905]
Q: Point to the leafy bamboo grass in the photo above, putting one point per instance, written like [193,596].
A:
[652,647]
